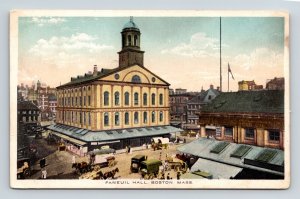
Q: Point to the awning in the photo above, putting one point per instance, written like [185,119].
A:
[74,141]
[217,170]
[115,134]
[210,127]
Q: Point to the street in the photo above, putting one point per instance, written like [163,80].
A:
[59,163]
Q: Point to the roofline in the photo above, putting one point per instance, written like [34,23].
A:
[112,72]
[203,113]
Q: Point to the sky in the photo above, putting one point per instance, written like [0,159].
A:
[184,51]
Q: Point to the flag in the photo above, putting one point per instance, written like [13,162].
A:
[229,71]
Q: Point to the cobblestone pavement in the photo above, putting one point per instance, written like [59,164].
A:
[59,163]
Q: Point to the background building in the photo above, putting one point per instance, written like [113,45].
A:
[249,86]
[275,84]
[178,107]
[194,106]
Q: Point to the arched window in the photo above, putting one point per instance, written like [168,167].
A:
[106,119]
[106,98]
[145,99]
[136,117]
[161,99]
[145,117]
[136,79]
[117,119]
[126,118]
[153,116]
[161,116]
[126,98]
[129,40]
[135,40]
[136,99]
[117,98]
[153,98]
[123,40]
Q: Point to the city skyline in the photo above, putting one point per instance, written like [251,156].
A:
[188,46]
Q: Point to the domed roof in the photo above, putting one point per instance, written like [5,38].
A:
[130,24]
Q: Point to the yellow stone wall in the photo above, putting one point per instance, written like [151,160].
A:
[95,105]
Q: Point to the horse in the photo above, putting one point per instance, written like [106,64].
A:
[81,167]
[109,174]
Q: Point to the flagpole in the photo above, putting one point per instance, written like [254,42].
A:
[228,76]
[220,56]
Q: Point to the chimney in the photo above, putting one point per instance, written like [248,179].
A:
[95,70]
[211,86]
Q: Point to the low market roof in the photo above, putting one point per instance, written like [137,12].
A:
[239,155]
[217,170]
[109,135]
[262,101]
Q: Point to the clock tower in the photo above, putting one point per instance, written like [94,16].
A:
[131,53]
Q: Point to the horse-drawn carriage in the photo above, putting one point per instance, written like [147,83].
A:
[158,143]
[95,162]
[176,164]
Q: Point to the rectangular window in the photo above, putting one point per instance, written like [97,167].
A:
[228,131]
[83,118]
[84,101]
[249,132]
[89,100]
[274,135]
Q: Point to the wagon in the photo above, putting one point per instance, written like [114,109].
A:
[103,160]
[136,163]
[150,168]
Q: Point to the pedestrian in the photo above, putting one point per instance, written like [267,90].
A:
[129,149]
[73,159]
[44,174]
[126,149]
[160,156]
[178,175]
[168,176]
[42,163]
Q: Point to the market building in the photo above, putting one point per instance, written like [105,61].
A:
[246,117]
[119,107]
[226,160]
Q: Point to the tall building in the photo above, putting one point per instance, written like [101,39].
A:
[123,106]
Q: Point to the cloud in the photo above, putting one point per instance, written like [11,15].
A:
[260,57]
[199,46]
[41,21]
[63,51]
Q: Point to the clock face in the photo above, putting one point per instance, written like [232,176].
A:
[117,76]
[153,79]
